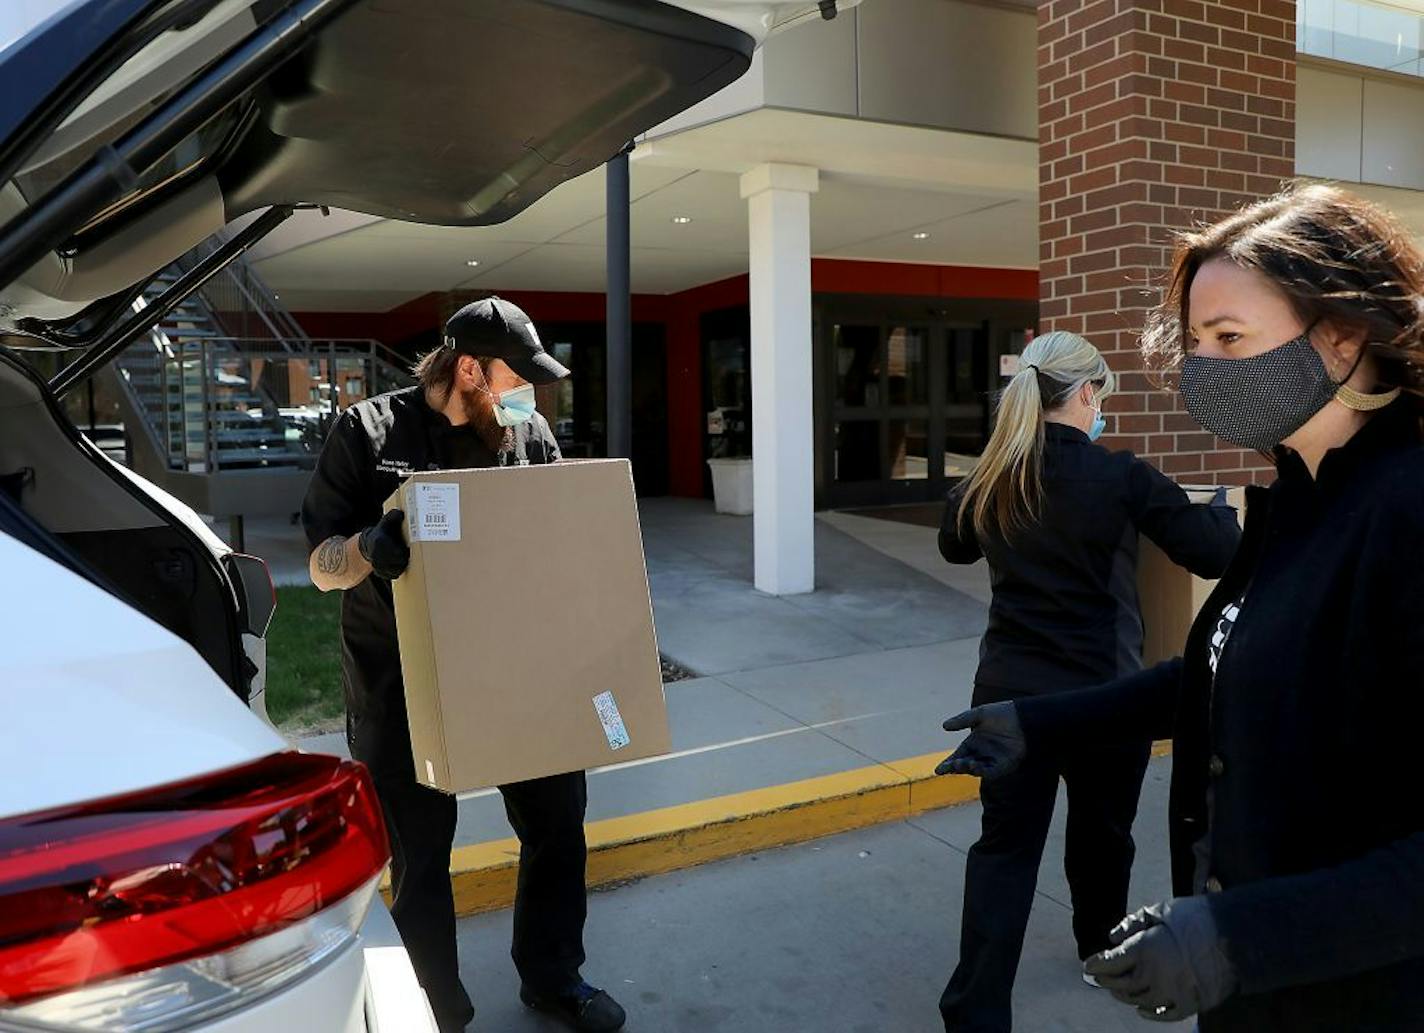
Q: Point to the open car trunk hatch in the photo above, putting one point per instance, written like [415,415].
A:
[162,122]
[461,113]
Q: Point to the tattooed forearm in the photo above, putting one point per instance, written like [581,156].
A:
[336,564]
[331,556]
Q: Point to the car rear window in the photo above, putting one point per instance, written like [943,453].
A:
[125,97]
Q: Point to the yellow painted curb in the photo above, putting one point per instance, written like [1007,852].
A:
[670,838]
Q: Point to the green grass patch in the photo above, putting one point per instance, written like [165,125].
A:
[304,659]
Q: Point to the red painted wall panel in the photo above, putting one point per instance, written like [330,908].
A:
[681,316]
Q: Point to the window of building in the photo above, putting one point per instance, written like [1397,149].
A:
[1362,32]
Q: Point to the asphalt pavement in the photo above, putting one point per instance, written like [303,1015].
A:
[854,933]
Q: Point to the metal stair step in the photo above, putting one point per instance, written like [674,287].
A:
[273,457]
[228,403]
[192,411]
[261,435]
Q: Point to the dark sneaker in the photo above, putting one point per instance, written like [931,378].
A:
[582,1007]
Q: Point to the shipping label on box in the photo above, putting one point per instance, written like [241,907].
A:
[525,624]
[434,513]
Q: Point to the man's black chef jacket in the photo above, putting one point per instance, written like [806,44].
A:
[372,447]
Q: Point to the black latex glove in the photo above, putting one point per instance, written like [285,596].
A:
[1167,962]
[384,547]
[995,744]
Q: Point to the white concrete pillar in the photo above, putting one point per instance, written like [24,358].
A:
[783,435]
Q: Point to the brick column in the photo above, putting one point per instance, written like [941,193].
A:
[1153,115]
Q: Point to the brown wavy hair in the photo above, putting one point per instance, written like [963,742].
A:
[1337,257]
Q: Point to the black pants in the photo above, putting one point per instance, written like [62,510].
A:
[1002,871]
[549,905]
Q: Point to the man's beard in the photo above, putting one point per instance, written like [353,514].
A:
[479,410]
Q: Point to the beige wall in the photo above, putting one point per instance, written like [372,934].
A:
[1359,127]
[949,64]
[813,67]
[946,64]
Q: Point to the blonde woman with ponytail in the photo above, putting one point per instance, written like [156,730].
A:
[1057,517]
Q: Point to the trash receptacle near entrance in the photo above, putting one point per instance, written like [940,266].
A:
[732,485]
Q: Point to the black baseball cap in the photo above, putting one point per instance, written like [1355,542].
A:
[497,329]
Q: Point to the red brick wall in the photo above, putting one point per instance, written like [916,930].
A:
[1153,115]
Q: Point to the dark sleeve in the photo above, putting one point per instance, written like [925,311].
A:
[1200,537]
[1141,705]
[339,498]
[957,540]
[1327,924]
[1367,912]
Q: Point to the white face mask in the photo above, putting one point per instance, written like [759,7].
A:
[514,407]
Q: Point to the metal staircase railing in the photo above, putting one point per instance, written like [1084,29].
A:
[216,403]
[243,303]
[214,400]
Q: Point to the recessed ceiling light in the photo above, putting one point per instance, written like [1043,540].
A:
[682,220]
[472,262]
[922,235]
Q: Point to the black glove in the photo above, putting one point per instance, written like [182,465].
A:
[1168,962]
[384,547]
[995,744]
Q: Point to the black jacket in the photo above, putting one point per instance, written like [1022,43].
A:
[373,446]
[1065,611]
[1300,760]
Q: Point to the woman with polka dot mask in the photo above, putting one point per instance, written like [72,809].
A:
[1295,327]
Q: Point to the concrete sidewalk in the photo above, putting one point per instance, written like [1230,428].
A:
[849,683]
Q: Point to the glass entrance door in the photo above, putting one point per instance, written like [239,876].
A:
[967,410]
[726,387]
[882,412]
[909,405]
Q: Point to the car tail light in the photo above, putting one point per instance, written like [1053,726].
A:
[197,991]
[214,889]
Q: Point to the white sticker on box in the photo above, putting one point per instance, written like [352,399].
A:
[434,513]
[611,720]
[430,772]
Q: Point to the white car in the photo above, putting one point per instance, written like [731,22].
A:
[167,862]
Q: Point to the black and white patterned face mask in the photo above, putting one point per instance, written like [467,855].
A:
[1258,402]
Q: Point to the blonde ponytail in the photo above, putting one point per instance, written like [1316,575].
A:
[1004,492]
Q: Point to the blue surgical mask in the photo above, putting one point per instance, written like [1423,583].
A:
[1099,423]
[514,407]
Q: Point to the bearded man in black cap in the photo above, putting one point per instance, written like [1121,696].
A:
[473,407]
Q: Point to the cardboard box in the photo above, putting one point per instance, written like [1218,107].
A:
[525,624]
[1170,595]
